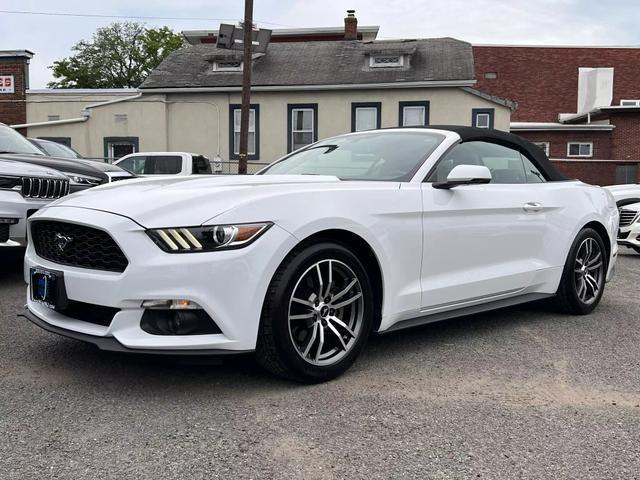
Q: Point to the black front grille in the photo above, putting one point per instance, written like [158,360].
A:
[88,312]
[4,232]
[627,217]
[77,245]
[623,236]
[35,187]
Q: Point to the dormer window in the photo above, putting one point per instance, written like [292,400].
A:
[386,61]
[227,66]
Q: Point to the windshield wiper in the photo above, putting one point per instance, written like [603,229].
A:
[537,174]
[330,148]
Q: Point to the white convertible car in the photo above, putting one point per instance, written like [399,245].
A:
[366,232]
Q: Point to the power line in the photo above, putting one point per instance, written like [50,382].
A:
[136,17]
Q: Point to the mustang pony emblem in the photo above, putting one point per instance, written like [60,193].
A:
[61,241]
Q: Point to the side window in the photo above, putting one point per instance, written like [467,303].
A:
[134,164]
[507,165]
[201,165]
[163,165]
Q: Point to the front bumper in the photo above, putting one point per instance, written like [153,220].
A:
[629,236]
[229,285]
[14,205]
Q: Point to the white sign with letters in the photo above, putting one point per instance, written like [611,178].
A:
[6,84]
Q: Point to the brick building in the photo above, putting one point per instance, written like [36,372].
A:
[581,104]
[14,81]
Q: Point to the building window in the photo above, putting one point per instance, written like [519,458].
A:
[414,114]
[491,75]
[365,116]
[630,103]
[227,66]
[580,149]
[482,117]
[626,174]
[253,144]
[386,61]
[302,121]
[544,146]
[116,147]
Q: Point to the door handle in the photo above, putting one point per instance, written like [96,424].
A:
[532,207]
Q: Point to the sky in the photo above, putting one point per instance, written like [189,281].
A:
[571,22]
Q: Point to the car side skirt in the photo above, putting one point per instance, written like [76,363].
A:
[470,310]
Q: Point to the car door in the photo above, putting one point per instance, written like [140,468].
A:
[481,242]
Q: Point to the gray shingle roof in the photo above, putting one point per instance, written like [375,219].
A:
[320,63]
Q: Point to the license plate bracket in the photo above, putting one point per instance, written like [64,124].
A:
[47,288]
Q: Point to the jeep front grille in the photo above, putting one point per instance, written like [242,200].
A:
[37,187]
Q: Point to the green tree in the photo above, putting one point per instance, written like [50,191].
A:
[120,55]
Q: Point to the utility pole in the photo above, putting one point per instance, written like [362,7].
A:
[246,86]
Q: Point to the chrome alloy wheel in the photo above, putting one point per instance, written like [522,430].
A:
[325,312]
[589,271]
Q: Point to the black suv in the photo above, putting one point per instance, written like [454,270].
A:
[82,173]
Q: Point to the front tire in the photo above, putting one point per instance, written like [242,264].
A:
[317,314]
[584,274]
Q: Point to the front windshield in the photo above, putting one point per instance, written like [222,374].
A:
[58,150]
[12,142]
[391,156]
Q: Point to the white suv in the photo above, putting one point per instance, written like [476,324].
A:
[24,189]
[628,200]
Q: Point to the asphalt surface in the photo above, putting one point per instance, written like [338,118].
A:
[518,393]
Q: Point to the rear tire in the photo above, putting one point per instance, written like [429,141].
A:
[317,315]
[584,274]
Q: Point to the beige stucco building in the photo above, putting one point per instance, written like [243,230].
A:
[201,122]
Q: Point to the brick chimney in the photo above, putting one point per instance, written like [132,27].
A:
[14,81]
[351,26]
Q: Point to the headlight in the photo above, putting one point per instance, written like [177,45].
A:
[207,239]
[10,183]
[82,180]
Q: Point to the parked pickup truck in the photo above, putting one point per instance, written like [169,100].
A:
[165,163]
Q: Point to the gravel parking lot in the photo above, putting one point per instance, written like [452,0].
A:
[518,393]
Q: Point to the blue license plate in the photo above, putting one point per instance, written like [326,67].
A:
[45,287]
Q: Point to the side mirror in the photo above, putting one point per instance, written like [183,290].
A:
[465,175]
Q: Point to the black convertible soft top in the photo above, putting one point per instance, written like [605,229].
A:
[528,149]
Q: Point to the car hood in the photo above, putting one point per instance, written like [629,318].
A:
[62,165]
[623,192]
[102,166]
[188,200]
[21,169]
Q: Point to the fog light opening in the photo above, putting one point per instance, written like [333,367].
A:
[188,321]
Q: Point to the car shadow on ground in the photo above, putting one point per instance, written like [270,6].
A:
[79,362]
[11,264]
